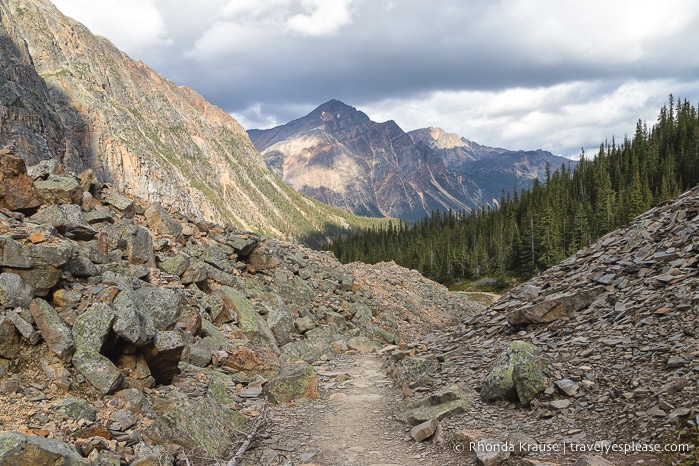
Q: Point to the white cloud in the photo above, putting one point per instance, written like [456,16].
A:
[322,17]
[132,25]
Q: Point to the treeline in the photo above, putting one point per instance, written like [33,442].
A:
[537,228]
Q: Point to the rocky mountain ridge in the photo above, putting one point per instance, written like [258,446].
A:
[336,154]
[133,335]
[66,94]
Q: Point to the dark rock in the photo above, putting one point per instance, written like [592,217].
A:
[9,339]
[59,190]
[554,307]
[452,400]
[159,219]
[515,375]
[14,292]
[163,355]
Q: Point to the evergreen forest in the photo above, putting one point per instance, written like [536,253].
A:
[536,228]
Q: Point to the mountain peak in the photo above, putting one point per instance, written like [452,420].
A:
[333,110]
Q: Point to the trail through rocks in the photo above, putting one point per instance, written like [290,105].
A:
[351,424]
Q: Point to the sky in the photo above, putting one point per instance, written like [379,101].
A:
[558,75]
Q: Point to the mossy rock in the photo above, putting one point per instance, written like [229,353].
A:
[516,374]
[291,383]
[452,400]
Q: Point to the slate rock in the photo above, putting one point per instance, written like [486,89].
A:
[93,327]
[424,431]
[554,307]
[132,323]
[59,190]
[76,408]
[14,254]
[163,305]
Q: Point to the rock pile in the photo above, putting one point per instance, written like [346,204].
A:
[132,334]
[617,326]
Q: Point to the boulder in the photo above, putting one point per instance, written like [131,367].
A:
[14,255]
[17,448]
[55,333]
[424,431]
[159,219]
[516,374]
[99,371]
[17,192]
[123,204]
[93,327]
[48,262]
[59,190]
[163,305]
[132,323]
[76,408]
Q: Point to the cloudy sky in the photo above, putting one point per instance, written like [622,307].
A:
[519,74]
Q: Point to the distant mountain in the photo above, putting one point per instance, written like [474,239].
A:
[337,155]
[66,94]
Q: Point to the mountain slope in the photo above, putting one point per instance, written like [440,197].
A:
[338,155]
[73,96]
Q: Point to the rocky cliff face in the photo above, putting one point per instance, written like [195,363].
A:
[130,334]
[338,155]
[69,95]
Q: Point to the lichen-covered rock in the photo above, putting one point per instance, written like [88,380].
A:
[99,371]
[292,382]
[501,383]
[133,323]
[55,333]
[59,190]
[14,254]
[163,305]
[17,448]
[92,327]
[76,408]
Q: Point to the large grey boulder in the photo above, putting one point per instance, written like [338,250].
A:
[99,371]
[92,327]
[133,323]
[159,219]
[163,305]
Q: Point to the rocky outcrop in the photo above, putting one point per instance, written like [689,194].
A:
[71,97]
[158,324]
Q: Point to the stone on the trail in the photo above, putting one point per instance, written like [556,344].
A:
[55,333]
[504,383]
[592,460]
[452,400]
[17,448]
[424,431]
[292,382]
[364,344]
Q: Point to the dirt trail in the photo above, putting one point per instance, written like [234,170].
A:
[351,424]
